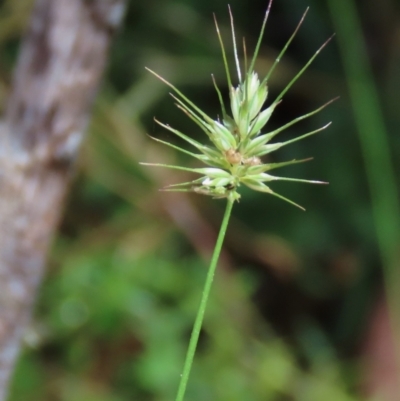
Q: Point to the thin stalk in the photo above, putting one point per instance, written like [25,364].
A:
[194,338]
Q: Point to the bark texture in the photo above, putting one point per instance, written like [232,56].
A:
[61,62]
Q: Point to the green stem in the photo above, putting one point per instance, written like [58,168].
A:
[194,338]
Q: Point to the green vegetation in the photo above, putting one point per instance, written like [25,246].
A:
[294,292]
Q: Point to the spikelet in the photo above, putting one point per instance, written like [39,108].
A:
[237,142]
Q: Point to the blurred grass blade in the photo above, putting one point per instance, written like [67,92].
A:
[375,147]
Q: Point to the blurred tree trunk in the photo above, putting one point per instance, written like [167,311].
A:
[61,62]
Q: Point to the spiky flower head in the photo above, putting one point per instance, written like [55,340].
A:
[237,142]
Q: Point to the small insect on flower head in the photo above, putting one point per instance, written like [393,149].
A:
[238,141]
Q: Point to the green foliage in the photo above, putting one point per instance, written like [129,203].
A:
[115,328]
[295,290]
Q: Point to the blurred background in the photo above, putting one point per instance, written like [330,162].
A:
[298,310]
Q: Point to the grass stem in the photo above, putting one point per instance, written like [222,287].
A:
[194,338]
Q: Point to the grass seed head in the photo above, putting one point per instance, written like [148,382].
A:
[237,142]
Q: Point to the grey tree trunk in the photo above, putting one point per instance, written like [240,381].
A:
[60,65]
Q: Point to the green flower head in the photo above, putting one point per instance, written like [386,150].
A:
[237,141]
